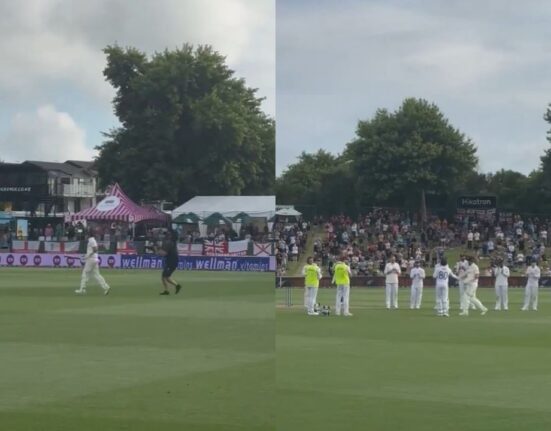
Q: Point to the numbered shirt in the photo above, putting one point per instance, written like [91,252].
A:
[442,275]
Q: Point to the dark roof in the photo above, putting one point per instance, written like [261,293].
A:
[19,167]
[65,168]
[89,165]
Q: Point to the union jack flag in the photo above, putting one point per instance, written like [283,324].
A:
[213,248]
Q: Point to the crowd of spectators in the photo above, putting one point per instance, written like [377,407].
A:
[189,234]
[369,240]
[290,238]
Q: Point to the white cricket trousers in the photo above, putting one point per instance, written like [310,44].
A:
[502,297]
[311,295]
[470,299]
[416,297]
[91,268]
[531,297]
[392,295]
[442,300]
[342,302]
[461,294]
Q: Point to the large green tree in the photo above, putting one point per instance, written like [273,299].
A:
[546,158]
[188,127]
[398,155]
[318,183]
[301,182]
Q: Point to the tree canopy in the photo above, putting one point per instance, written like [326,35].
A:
[188,127]
[396,155]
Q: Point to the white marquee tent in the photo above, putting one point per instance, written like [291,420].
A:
[257,207]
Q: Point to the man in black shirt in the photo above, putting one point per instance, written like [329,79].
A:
[170,251]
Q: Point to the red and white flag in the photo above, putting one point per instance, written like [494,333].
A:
[262,249]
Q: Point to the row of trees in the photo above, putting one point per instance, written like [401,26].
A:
[188,127]
[397,157]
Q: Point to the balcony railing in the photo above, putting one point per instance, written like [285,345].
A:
[73,191]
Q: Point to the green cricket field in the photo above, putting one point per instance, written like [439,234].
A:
[202,360]
[409,370]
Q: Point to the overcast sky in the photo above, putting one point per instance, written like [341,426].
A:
[54,102]
[486,64]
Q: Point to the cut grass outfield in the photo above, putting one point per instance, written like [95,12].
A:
[134,360]
[410,370]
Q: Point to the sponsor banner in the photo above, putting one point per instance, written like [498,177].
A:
[190,249]
[238,248]
[481,203]
[203,263]
[263,249]
[57,260]
[480,206]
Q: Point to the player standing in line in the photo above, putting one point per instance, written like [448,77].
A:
[312,276]
[460,268]
[442,273]
[170,252]
[501,273]
[533,274]
[417,275]
[470,279]
[341,278]
[392,271]
[91,266]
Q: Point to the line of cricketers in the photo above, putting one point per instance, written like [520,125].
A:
[467,275]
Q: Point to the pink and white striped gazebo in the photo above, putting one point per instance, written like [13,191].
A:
[118,207]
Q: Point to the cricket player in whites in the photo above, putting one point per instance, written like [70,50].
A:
[341,277]
[442,274]
[392,271]
[417,276]
[470,280]
[501,273]
[91,267]
[533,275]
[460,268]
[312,276]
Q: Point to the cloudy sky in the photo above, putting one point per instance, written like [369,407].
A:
[54,103]
[487,65]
